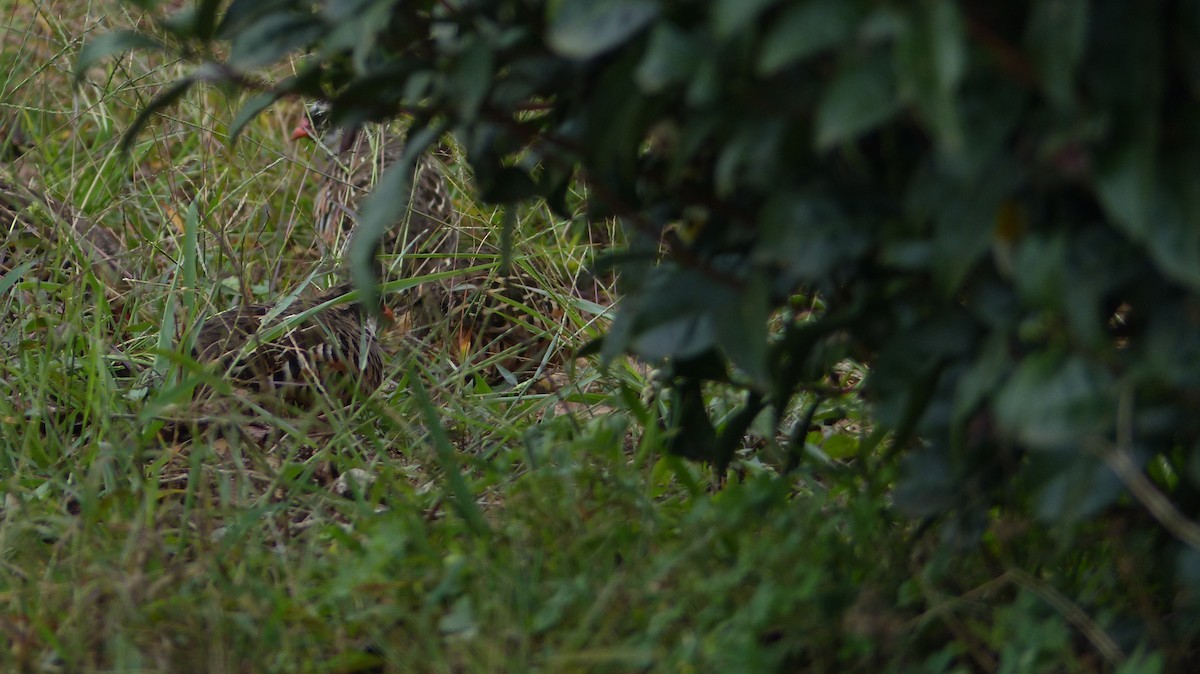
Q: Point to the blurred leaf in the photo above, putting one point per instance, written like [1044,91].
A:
[1125,180]
[731,16]
[472,78]
[928,486]
[1053,400]
[931,60]
[1055,38]
[242,13]
[804,29]
[583,29]
[670,59]
[741,329]
[861,98]
[508,185]
[1073,487]
[163,100]
[271,37]
[250,109]
[110,44]
[807,237]
[840,446]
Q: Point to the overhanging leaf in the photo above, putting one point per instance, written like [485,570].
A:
[251,109]
[862,97]
[160,102]
[271,37]
[1054,400]
[110,44]
[583,29]
[805,29]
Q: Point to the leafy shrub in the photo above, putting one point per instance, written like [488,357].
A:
[993,202]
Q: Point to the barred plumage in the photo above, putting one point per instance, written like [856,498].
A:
[430,227]
[505,327]
[333,353]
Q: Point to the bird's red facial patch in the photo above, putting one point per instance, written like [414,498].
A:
[303,130]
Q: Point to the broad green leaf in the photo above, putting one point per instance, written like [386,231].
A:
[472,78]
[1054,400]
[680,337]
[160,102]
[731,16]
[242,13]
[670,59]
[807,237]
[741,329]
[804,29]
[1173,234]
[862,97]
[271,37]
[583,29]
[928,484]
[1071,487]
[251,109]
[1124,180]
[1055,37]
[931,60]
[111,44]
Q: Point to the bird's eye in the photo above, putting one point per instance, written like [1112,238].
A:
[318,111]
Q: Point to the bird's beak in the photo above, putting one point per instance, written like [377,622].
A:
[388,316]
[303,130]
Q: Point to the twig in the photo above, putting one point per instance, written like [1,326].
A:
[1119,459]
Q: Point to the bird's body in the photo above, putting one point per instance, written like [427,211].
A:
[426,238]
[499,326]
[333,352]
[502,328]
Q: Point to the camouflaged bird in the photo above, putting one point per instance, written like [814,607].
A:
[428,234]
[501,326]
[333,353]
[505,328]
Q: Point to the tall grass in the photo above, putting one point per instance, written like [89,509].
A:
[445,524]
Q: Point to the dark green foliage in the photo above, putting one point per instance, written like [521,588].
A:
[995,202]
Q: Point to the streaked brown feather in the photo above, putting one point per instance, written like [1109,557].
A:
[333,353]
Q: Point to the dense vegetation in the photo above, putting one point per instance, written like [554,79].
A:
[984,208]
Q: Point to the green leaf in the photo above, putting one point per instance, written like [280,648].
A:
[807,238]
[110,44]
[251,109]
[1124,181]
[160,102]
[862,97]
[472,78]
[931,60]
[14,275]
[731,16]
[805,29]
[584,29]
[271,37]
[242,13]
[741,329]
[1054,400]
[670,59]
[1055,38]
[508,185]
